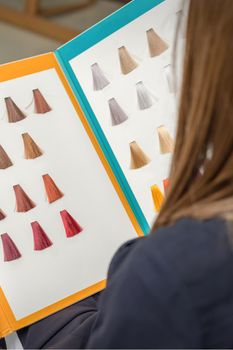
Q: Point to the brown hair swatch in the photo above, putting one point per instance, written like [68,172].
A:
[23,202]
[128,64]
[156,45]
[2,215]
[138,157]
[5,161]
[165,140]
[13,111]
[31,149]
[52,191]
[41,105]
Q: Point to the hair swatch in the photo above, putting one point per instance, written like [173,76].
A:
[23,202]
[118,115]
[41,105]
[52,191]
[13,111]
[165,185]
[128,64]
[157,196]
[2,215]
[138,157]
[170,78]
[156,45]
[31,149]
[99,79]
[41,240]
[165,140]
[10,250]
[5,161]
[145,98]
[71,226]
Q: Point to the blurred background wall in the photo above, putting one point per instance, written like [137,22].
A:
[18,40]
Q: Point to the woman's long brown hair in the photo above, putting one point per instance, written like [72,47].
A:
[201,177]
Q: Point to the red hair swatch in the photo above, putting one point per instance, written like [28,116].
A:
[10,250]
[41,240]
[52,191]
[41,105]
[23,202]
[13,111]
[2,215]
[71,226]
[165,185]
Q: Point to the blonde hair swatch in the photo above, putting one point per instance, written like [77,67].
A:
[127,63]
[41,105]
[145,98]
[138,157]
[5,161]
[118,115]
[13,111]
[31,149]
[165,140]
[156,45]
[99,79]
[157,196]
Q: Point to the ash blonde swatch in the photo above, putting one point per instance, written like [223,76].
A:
[165,140]
[127,63]
[156,44]
[138,158]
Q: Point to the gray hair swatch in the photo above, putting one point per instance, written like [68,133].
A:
[156,44]
[118,115]
[127,63]
[145,97]
[99,79]
[170,78]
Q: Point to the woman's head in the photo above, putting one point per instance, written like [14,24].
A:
[201,179]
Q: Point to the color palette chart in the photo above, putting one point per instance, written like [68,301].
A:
[128,81]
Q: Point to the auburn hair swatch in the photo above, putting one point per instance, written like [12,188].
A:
[52,191]
[10,250]
[2,215]
[13,111]
[145,98]
[41,240]
[40,103]
[138,157]
[118,115]
[127,63]
[157,196]
[99,79]
[156,45]
[23,202]
[165,140]
[31,149]
[72,228]
[5,161]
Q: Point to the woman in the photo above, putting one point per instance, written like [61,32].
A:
[174,289]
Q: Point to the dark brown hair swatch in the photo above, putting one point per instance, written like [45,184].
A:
[52,191]
[156,45]
[138,157]
[2,215]
[31,149]
[5,161]
[41,105]
[13,111]
[23,202]
[127,63]
[10,251]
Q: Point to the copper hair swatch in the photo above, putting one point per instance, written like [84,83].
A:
[31,149]
[41,240]
[72,228]
[52,191]
[2,215]
[13,111]
[138,157]
[99,79]
[10,250]
[40,103]
[165,185]
[127,63]
[165,140]
[118,115]
[157,196]
[156,45]
[5,161]
[23,202]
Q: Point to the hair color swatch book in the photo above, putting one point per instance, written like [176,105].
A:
[66,178]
